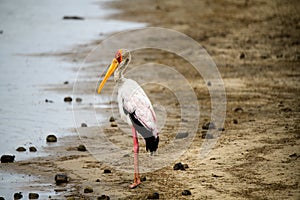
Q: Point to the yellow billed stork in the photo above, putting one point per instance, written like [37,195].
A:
[135,108]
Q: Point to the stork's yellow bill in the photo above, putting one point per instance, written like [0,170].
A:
[114,64]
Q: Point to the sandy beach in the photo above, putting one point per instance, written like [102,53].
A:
[255,45]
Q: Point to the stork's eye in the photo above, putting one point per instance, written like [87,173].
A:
[119,56]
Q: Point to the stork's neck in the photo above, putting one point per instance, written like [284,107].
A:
[119,73]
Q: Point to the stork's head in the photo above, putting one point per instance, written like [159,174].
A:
[118,65]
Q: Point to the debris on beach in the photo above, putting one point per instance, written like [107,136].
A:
[114,124]
[154,195]
[88,190]
[208,125]
[49,101]
[21,149]
[51,138]
[112,119]
[81,148]
[32,149]
[73,18]
[66,82]
[235,121]
[180,166]
[33,195]
[186,192]
[103,197]
[83,125]
[78,100]
[68,99]
[107,171]
[7,158]
[61,178]
[18,195]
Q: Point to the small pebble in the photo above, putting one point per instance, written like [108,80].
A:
[208,125]
[98,180]
[21,149]
[208,83]
[83,125]
[88,190]
[178,166]
[78,100]
[32,149]
[61,178]
[2,198]
[103,197]
[112,119]
[182,135]
[221,129]
[48,101]
[238,110]
[66,82]
[81,148]
[242,56]
[68,99]
[235,121]
[114,124]
[33,196]
[107,171]
[143,178]
[7,159]
[51,138]
[155,195]
[18,195]
[206,135]
[186,192]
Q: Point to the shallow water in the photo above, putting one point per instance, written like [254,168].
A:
[33,27]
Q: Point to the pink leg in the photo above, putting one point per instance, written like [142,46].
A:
[137,180]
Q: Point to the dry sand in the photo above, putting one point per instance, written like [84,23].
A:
[255,45]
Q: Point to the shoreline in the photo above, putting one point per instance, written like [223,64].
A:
[255,157]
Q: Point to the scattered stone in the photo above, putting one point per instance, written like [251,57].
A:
[112,119]
[180,166]
[66,82]
[114,124]
[33,196]
[83,125]
[7,159]
[216,176]
[18,195]
[208,125]
[235,121]
[143,178]
[2,198]
[21,149]
[208,83]
[286,109]
[186,192]
[88,190]
[154,195]
[1,31]
[238,110]
[126,155]
[103,197]
[81,148]
[48,101]
[98,180]
[61,178]
[242,55]
[60,189]
[294,156]
[78,100]
[206,135]
[182,135]
[51,138]
[107,171]
[72,18]
[221,129]
[32,149]
[68,99]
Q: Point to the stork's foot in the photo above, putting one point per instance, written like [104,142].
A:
[135,184]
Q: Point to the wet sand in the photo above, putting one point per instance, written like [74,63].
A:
[256,48]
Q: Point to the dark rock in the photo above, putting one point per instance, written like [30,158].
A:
[206,135]
[1,31]
[48,101]
[208,83]
[286,109]
[238,110]
[178,166]
[216,176]
[7,159]
[72,18]
[186,192]
[143,178]
[2,198]
[103,197]
[61,178]
[81,148]
[208,125]
[98,180]
[83,125]
[21,149]
[182,135]
[33,196]
[51,138]
[114,124]
[235,121]
[294,156]
[88,190]
[221,129]
[155,195]
[107,171]
[68,99]
[242,55]
[18,195]
[32,149]
[126,155]
[78,100]
[66,82]
[112,119]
